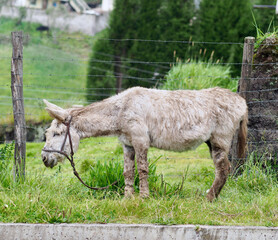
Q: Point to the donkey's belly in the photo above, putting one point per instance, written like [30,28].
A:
[177,146]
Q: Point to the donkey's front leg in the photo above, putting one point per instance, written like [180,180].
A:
[222,170]
[129,166]
[143,170]
[141,147]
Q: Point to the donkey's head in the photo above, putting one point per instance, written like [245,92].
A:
[57,137]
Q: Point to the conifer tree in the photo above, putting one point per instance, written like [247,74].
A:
[148,21]
[225,21]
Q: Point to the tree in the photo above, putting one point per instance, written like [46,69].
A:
[225,21]
[126,59]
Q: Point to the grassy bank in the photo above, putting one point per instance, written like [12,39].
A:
[54,67]
[55,195]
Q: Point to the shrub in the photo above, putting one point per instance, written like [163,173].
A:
[225,21]
[199,75]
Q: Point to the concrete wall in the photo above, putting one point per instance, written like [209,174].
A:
[68,21]
[12,231]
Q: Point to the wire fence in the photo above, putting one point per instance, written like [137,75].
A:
[55,90]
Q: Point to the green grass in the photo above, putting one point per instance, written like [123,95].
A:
[56,196]
[199,75]
[54,68]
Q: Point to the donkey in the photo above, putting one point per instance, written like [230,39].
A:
[143,118]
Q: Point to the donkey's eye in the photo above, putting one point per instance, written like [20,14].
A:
[56,134]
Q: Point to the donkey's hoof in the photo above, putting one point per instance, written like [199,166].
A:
[210,196]
[144,195]
[129,192]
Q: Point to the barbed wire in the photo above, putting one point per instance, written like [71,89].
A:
[64,92]
[66,88]
[33,87]
[130,60]
[54,100]
[132,77]
[106,95]
[92,101]
[263,101]
[190,42]
[262,130]
[261,115]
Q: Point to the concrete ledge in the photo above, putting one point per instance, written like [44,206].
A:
[11,231]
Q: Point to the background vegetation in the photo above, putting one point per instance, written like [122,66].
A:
[133,62]
[54,68]
[177,25]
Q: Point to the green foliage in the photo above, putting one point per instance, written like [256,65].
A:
[272,31]
[199,75]
[6,153]
[264,16]
[257,174]
[225,21]
[148,20]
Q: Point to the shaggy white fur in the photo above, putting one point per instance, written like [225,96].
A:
[141,118]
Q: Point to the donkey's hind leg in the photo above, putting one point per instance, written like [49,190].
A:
[129,167]
[222,170]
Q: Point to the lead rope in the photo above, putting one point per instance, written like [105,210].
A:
[70,158]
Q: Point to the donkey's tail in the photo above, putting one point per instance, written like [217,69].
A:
[242,137]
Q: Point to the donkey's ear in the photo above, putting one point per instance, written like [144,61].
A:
[51,105]
[60,115]
[55,111]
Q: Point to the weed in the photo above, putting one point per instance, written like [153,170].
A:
[261,36]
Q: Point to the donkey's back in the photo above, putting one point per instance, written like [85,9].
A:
[183,119]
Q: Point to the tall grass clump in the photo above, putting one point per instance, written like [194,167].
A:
[101,174]
[199,75]
[271,32]
[5,164]
[257,174]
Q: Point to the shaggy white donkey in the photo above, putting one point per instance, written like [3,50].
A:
[142,118]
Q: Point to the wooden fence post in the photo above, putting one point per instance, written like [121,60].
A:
[246,68]
[246,71]
[18,106]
